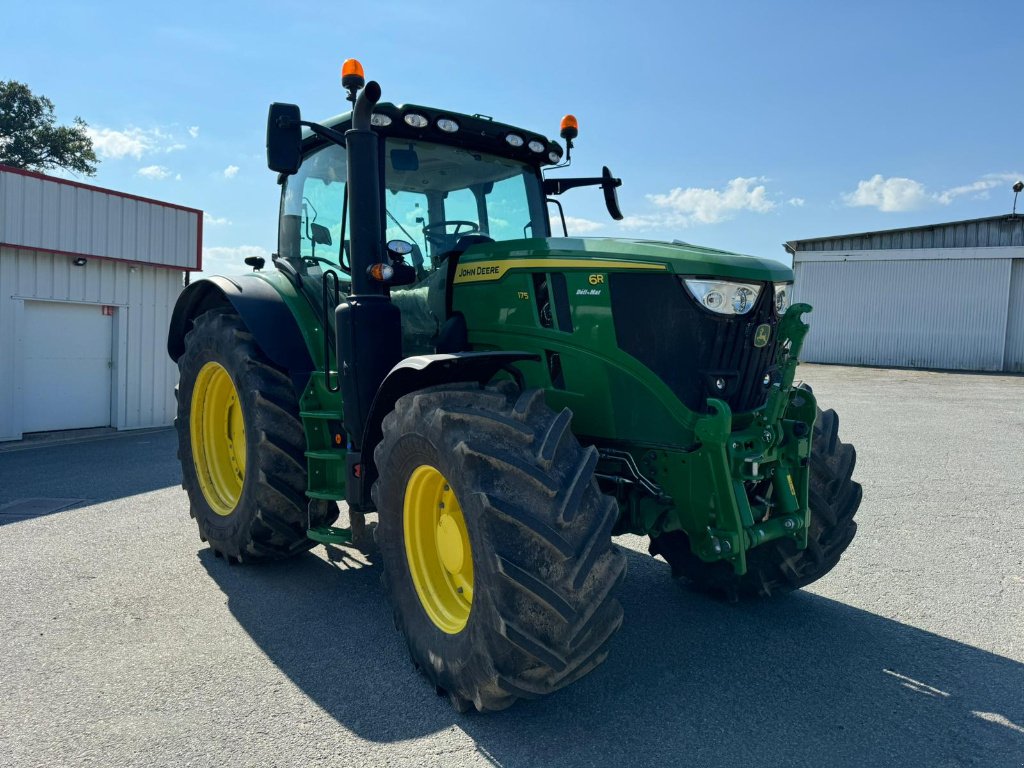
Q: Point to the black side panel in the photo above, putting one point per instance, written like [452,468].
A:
[369,345]
[688,347]
[262,310]
[561,296]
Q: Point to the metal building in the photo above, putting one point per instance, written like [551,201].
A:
[948,296]
[88,279]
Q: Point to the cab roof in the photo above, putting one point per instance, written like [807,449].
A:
[478,132]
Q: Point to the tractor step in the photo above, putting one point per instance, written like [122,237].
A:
[323,415]
[327,534]
[328,455]
[325,495]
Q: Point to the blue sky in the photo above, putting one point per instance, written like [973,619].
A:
[737,125]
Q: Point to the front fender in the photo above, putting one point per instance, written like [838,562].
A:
[410,375]
[262,309]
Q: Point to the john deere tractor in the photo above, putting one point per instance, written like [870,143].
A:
[505,400]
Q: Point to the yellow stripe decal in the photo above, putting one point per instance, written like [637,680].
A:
[480,271]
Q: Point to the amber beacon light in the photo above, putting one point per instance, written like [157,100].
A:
[352,74]
[570,128]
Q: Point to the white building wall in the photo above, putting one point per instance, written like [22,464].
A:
[142,298]
[1014,358]
[58,216]
[924,308]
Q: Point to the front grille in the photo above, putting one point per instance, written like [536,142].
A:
[690,348]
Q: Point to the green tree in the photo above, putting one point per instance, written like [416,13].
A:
[31,139]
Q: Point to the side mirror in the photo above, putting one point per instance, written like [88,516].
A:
[321,235]
[611,198]
[256,262]
[405,159]
[399,248]
[284,138]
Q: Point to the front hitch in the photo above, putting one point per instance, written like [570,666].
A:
[771,451]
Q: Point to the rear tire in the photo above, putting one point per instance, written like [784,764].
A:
[779,567]
[252,505]
[538,530]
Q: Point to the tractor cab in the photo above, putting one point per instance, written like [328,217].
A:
[439,199]
[440,183]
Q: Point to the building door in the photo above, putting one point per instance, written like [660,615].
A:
[67,366]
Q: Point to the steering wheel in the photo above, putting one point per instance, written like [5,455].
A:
[438,235]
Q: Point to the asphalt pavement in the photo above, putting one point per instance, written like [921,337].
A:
[125,642]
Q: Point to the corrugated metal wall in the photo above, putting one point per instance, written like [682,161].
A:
[984,233]
[1014,358]
[943,313]
[143,298]
[53,215]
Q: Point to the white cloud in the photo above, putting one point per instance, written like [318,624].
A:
[117,144]
[893,194]
[796,202]
[980,187]
[710,205]
[224,260]
[132,142]
[215,221]
[156,172]
[900,194]
[649,222]
[230,172]
[193,131]
[578,226]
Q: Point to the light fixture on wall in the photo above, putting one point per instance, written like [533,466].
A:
[80,262]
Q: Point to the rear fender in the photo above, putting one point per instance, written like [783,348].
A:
[262,309]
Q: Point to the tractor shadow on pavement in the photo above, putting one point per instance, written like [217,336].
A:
[803,680]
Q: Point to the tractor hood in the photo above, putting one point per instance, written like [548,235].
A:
[678,258]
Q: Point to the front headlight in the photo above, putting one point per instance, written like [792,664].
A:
[722,297]
[783,297]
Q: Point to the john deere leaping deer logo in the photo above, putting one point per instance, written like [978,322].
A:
[762,335]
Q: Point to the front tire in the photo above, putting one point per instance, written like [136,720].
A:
[496,544]
[241,445]
[779,567]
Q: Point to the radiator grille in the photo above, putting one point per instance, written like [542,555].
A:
[690,348]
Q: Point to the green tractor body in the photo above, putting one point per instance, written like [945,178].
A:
[433,345]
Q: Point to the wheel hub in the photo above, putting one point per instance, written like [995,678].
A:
[217,427]
[438,550]
[449,544]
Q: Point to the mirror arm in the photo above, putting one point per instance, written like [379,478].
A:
[324,132]
[558,186]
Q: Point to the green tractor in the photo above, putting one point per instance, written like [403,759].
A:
[505,400]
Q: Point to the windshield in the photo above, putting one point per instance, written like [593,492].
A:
[312,208]
[435,195]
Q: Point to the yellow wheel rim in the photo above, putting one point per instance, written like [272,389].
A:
[438,550]
[218,438]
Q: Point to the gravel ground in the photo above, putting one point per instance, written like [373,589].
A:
[126,643]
